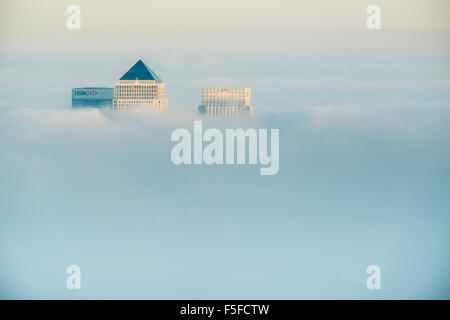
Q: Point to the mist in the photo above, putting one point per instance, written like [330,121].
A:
[97,188]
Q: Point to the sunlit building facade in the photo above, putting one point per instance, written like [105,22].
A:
[226,102]
[140,86]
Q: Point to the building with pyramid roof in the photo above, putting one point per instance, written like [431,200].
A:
[140,86]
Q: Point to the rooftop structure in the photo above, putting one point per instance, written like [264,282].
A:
[140,86]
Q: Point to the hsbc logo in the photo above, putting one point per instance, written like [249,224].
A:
[224,93]
[86,93]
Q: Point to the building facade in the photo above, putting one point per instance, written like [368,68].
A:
[226,102]
[96,97]
[140,86]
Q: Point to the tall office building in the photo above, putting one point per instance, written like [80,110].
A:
[140,86]
[226,102]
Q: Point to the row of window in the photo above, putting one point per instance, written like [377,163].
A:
[138,89]
[225,102]
[136,86]
[139,101]
[144,95]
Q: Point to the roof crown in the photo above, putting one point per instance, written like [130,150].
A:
[140,71]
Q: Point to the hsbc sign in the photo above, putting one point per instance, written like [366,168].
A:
[224,93]
[85,93]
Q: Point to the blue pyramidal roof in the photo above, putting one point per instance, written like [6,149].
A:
[140,71]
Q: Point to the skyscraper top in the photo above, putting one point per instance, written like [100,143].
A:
[141,71]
